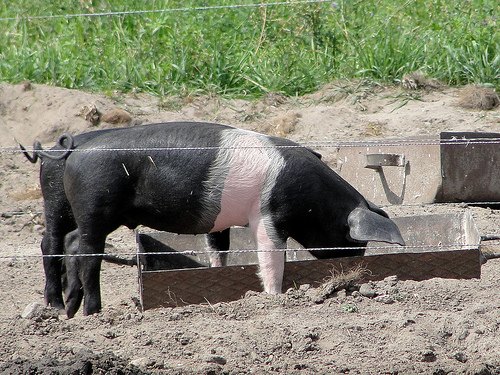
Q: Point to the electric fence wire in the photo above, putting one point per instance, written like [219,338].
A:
[166,10]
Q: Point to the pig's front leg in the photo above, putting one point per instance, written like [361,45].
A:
[271,259]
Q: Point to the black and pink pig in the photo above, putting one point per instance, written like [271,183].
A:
[194,178]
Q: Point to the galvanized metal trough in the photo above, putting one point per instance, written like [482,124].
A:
[445,245]
[461,167]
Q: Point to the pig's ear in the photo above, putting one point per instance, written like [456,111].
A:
[366,225]
[373,207]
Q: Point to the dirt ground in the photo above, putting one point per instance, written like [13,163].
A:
[437,326]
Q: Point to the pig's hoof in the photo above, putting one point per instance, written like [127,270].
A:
[73,304]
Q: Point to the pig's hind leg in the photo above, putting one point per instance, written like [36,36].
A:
[52,245]
[58,222]
[73,288]
[83,271]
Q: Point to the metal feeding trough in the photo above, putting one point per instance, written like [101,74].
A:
[462,167]
[437,246]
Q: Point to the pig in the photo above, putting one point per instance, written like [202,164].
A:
[195,178]
[59,220]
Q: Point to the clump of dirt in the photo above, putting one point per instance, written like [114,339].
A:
[82,363]
[27,85]
[116,116]
[478,97]
[274,99]
[91,114]
[282,125]
[418,80]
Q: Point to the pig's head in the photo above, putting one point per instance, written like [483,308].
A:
[362,225]
[366,224]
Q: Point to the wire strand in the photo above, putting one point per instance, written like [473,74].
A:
[10,214]
[167,10]
[242,251]
[308,144]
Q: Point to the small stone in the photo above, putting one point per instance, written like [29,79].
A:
[407,323]
[463,335]
[384,299]
[31,310]
[299,366]
[175,316]
[445,334]
[391,280]
[38,228]
[142,362]
[39,311]
[26,85]
[460,357]
[366,290]
[211,369]
[341,294]
[318,299]
[218,359]
[428,356]
[110,335]
[304,287]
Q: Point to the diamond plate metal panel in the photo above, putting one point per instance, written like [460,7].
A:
[427,256]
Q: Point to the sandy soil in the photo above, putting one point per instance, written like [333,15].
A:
[437,326]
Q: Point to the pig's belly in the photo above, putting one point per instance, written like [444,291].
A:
[240,201]
[248,169]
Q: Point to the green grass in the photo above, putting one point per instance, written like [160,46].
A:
[247,51]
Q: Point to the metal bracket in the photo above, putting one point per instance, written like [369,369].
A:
[377,161]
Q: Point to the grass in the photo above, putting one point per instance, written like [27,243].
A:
[340,279]
[291,49]
[350,308]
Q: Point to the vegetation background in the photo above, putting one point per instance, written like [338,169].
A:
[291,48]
